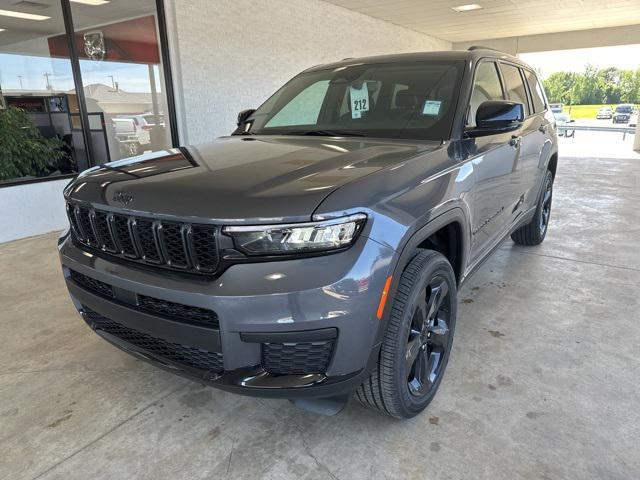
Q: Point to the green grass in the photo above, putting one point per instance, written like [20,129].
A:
[584,111]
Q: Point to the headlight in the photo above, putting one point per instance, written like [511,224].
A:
[297,237]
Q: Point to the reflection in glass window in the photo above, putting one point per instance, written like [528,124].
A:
[304,108]
[514,85]
[537,94]
[486,87]
[41,133]
[37,136]
[121,67]
[395,100]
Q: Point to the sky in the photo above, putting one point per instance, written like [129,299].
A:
[626,57]
[130,77]
[135,77]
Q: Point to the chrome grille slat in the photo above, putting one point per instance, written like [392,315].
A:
[169,244]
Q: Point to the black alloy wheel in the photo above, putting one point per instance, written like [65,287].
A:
[534,232]
[428,338]
[546,205]
[417,340]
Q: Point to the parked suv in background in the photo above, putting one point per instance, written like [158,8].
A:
[319,249]
[622,113]
[134,131]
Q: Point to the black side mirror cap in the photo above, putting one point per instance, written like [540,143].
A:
[244,115]
[497,116]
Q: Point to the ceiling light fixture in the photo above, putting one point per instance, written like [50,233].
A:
[94,3]
[1,29]
[25,16]
[467,8]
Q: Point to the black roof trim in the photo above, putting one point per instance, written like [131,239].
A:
[480,47]
[473,54]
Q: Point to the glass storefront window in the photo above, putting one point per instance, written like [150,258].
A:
[121,76]
[120,61]
[37,100]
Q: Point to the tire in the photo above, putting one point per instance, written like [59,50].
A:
[535,231]
[394,387]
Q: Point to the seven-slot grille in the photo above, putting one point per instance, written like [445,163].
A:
[175,245]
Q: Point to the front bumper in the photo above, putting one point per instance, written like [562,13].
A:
[315,316]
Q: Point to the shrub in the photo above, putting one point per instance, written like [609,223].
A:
[23,150]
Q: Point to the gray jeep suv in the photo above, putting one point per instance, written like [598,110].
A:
[317,251]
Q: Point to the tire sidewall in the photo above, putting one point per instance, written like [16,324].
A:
[438,265]
[541,235]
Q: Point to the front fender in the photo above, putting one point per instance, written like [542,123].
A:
[403,256]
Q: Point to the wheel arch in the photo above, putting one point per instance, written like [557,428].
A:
[453,221]
[452,227]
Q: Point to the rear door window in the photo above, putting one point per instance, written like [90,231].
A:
[537,94]
[514,85]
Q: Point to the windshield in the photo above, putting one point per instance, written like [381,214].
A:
[413,100]
[623,109]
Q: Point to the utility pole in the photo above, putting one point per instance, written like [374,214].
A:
[47,75]
[20,79]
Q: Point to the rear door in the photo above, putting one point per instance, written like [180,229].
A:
[530,137]
[532,133]
[495,164]
[539,143]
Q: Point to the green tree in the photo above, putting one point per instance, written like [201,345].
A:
[559,87]
[587,89]
[609,84]
[23,151]
[630,86]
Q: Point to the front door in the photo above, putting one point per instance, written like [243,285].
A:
[496,192]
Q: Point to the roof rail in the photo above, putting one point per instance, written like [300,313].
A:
[480,47]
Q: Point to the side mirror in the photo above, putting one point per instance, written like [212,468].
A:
[244,115]
[497,116]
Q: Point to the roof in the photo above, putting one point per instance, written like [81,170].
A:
[451,55]
[105,94]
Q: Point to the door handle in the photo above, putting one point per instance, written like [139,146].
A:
[515,141]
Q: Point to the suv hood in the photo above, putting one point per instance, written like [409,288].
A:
[241,179]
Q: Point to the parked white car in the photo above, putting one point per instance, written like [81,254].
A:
[562,120]
[604,113]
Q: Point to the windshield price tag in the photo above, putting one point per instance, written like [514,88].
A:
[431,107]
[359,100]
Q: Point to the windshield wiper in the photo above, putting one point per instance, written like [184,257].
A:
[330,133]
